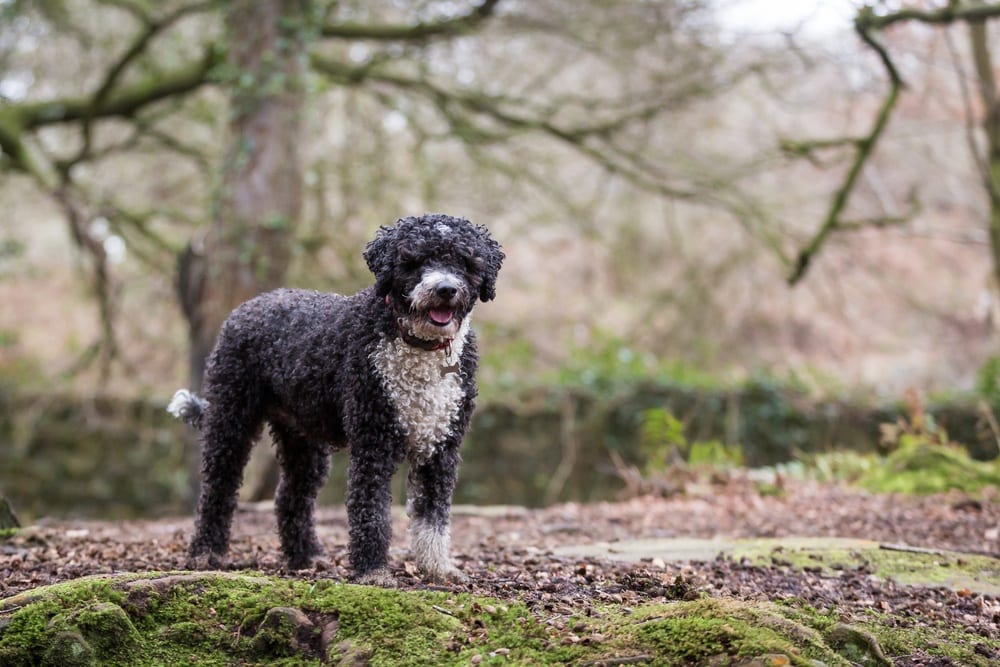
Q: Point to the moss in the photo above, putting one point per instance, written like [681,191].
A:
[242,618]
[934,568]
[108,629]
[68,649]
[691,632]
[926,468]
[858,646]
[7,533]
[938,639]
[976,573]
[284,632]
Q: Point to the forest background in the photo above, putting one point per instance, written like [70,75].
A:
[685,191]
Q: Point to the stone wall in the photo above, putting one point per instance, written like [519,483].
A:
[67,456]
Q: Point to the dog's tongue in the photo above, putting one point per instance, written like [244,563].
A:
[441,315]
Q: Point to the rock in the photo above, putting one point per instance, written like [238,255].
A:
[327,636]
[285,631]
[109,630]
[856,645]
[68,649]
[349,654]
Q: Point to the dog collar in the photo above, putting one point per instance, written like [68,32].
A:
[421,343]
[414,341]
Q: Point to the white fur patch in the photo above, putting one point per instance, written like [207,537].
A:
[184,403]
[431,546]
[424,393]
[424,290]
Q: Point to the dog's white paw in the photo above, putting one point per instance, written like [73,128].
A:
[447,574]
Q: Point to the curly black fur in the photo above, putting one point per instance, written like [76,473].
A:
[388,372]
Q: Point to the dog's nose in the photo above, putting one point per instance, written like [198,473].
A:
[446,289]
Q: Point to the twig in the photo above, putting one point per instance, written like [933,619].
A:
[913,550]
[623,660]
[442,610]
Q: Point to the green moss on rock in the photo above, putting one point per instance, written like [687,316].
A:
[285,631]
[908,565]
[108,629]
[858,646]
[232,618]
[68,649]
[684,633]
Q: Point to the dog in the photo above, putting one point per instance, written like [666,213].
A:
[388,373]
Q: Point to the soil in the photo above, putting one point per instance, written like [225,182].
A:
[508,552]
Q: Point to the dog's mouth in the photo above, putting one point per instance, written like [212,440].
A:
[441,317]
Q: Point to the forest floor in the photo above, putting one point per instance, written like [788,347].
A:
[564,560]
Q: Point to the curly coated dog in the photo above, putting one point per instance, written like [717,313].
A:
[388,372]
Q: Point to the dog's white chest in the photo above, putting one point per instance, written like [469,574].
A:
[425,395]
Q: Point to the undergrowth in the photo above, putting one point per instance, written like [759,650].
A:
[919,458]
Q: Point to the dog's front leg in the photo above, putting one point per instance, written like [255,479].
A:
[369,500]
[429,488]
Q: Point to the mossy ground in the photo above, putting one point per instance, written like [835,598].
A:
[967,574]
[979,574]
[924,468]
[219,619]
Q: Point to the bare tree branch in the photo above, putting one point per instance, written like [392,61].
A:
[18,119]
[951,13]
[106,349]
[464,112]
[864,148]
[866,24]
[414,32]
[151,28]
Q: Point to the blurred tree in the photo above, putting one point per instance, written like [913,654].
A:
[101,98]
[871,21]
[248,245]
[151,69]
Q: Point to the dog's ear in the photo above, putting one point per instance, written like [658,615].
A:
[380,256]
[492,259]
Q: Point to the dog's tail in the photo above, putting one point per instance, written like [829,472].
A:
[188,406]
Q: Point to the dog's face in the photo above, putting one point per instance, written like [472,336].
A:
[432,269]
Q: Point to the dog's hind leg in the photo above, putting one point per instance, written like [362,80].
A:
[429,488]
[231,423]
[304,468]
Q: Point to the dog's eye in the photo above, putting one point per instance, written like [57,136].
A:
[473,264]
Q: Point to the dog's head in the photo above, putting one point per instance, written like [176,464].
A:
[432,269]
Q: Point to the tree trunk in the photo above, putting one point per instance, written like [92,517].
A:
[983,60]
[248,246]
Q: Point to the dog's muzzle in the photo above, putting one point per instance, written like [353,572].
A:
[445,292]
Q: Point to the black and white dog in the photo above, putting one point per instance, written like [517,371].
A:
[388,372]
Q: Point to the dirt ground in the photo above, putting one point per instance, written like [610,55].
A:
[508,552]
